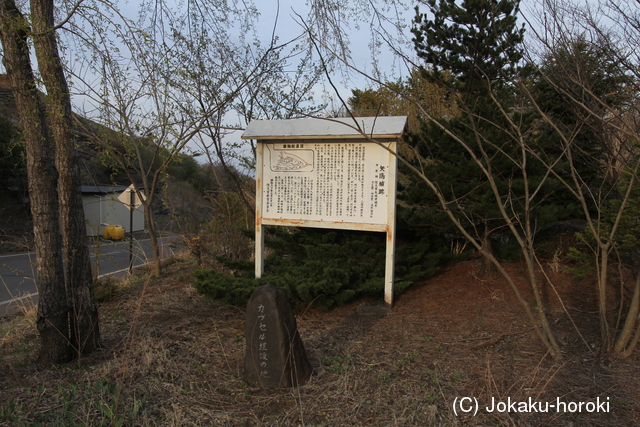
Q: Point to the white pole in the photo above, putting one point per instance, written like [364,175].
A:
[391,226]
[259,255]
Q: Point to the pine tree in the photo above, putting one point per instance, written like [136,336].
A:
[476,42]
[474,49]
[587,98]
[582,88]
[479,164]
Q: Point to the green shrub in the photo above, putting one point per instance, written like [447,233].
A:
[325,267]
[231,290]
[106,289]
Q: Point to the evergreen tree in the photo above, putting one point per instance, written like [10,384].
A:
[581,88]
[477,159]
[479,164]
[587,98]
[476,42]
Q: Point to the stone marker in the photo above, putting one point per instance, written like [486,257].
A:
[275,356]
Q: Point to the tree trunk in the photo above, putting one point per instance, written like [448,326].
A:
[53,310]
[155,264]
[85,333]
[605,331]
[623,341]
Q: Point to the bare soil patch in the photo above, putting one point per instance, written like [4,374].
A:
[172,357]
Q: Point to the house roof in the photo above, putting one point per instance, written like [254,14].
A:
[102,189]
[330,128]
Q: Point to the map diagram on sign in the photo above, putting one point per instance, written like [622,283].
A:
[286,161]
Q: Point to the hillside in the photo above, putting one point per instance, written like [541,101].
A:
[172,357]
[185,178]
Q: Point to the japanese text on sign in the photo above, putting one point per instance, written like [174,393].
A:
[325,182]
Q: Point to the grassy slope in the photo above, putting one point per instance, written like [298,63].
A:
[171,357]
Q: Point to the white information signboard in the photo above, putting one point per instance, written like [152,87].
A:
[343,182]
[328,173]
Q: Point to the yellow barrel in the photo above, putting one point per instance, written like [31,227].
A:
[114,232]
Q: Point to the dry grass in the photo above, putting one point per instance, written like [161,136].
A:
[173,358]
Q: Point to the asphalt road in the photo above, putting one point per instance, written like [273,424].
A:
[17,271]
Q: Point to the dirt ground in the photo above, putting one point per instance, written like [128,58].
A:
[172,357]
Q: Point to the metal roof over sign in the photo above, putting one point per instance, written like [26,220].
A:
[330,128]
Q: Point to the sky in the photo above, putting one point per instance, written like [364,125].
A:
[358,26]
[360,23]
[284,17]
